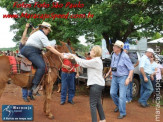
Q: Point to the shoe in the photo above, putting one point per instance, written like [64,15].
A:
[121,116]
[116,109]
[147,105]
[71,102]
[143,105]
[62,103]
[32,98]
[26,100]
[35,89]
[38,94]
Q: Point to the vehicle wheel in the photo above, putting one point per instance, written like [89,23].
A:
[135,88]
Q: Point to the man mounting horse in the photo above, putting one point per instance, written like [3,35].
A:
[32,51]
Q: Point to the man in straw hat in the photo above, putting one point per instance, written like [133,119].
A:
[122,71]
[145,68]
[32,50]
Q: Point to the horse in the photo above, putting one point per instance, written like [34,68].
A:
[22,79]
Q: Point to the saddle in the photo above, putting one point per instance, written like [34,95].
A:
[25,64]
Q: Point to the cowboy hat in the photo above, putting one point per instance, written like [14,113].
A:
[119,44]
[45,24]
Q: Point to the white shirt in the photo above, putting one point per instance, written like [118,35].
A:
[94,70]
[158,73]
[38,40]
[146,64]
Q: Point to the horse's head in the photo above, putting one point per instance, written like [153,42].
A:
[65,48]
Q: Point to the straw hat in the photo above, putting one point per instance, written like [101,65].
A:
[119,44]
[45,24]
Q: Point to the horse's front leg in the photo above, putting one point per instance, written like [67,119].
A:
[47,99]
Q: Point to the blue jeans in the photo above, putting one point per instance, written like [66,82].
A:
[34,55]
[146,90]
[26,93]
[67,86]
[118,83]
[129,92]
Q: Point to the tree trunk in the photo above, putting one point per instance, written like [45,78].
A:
[108,45]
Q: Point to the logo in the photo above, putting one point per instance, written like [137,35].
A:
[17,112]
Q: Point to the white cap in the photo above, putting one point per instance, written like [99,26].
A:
[119,44]
[150,50]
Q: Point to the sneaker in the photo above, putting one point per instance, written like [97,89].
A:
[26,100]
[38,94]
[62,103]
[71,102]
[35,89]
[116,109]
[32,98]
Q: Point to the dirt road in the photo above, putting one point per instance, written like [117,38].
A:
[79,112]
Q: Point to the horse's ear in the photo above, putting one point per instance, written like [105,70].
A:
[62,43]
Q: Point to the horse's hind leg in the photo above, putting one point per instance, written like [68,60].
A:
[47,99]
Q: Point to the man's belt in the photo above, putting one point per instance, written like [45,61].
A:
[33,47]
[69,72]
[147,74]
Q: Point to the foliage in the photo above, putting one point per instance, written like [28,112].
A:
[113,19]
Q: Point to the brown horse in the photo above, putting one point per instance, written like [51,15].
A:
[22,79]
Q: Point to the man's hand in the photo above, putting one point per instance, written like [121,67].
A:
[152,78]
[107,74]
[70,56]
[61,55]
[145,79]
[127,82]
[27,25]
[67,67]
[77,75]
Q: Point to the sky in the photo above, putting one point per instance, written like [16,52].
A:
[6,35]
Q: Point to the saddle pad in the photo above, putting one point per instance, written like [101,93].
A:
[15,66]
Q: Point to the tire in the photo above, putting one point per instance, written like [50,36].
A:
[135,88]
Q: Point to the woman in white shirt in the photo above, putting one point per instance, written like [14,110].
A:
[95,80]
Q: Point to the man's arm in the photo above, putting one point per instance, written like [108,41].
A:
[53,50]
[23,41]
[107,74]
[143,73]
[77,72]
[129,78]
[137,63]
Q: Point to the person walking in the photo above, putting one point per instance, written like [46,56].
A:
[122,73]
[145,68]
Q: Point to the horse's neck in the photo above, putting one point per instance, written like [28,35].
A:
[53,59]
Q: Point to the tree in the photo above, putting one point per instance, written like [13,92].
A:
[113,19]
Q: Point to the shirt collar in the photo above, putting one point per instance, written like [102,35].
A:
[42,31]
